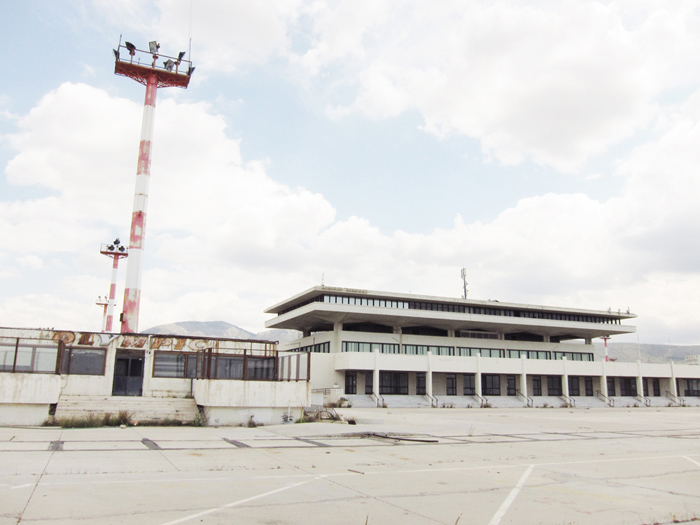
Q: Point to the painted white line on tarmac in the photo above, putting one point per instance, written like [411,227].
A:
[692,460]
[511,497]
[240,502]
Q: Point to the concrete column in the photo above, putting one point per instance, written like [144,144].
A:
[429,375]
[564,378]
[148,357]
[640,380]
[375,374]
[336,338]
[674,388]
[477,379]
[523,375]
[604,380]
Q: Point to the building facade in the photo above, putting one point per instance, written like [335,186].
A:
[58,373]
[382,348]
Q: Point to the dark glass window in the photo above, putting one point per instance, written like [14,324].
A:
[491,384]
[574,386]
[536,386]
[261,368]
[469,384]
[420,384]
[588,385]
[393,383]
[510,385]
[84,361]
[228,367]
[350,382]
[656,386]
[553,385]
[369,382]
[628,386]
[174,364]
[611,386]
[692,387]
[451,384]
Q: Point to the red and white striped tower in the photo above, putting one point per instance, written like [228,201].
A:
[116,251]
[152,76]
[605,338]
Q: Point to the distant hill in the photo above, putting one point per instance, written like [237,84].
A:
[220,329]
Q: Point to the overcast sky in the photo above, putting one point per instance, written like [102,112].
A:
[552,148]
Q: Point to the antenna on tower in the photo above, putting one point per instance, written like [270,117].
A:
[464,281]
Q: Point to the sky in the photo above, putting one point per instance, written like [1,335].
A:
[548,147]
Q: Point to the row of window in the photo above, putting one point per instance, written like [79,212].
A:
[396,383]
[28,357]
[41,358]
[214,366]
[319,348]
[383,348]
[391,348]
[474,334]
[458,308]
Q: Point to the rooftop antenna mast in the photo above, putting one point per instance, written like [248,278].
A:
[464,281]
[153,76]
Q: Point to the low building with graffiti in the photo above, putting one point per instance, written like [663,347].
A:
[46,373]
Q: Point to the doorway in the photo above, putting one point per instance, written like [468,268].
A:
[128,373]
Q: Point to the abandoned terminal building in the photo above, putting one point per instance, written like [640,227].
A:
[373,348]
[391,349]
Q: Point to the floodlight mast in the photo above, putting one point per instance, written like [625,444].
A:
[116,251]
[152,76]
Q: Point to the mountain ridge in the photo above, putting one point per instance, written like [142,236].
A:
[219,329]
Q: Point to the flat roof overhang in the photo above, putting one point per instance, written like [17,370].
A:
[318,316]
[312,293]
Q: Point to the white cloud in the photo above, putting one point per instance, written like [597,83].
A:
[31,261]
[552,82]
[224,240]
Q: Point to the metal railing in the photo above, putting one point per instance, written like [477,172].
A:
[529,402]
[603,397]
[570,401]
[434,401]
[251,365]
[483,402]
[379,400]
[644,400]
[677,400]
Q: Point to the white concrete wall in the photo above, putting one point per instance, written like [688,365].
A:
[23,414]
[271,394]
[324,373]
[29,388]
[79,385]
[169,387]
[439,385]
[228,416]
